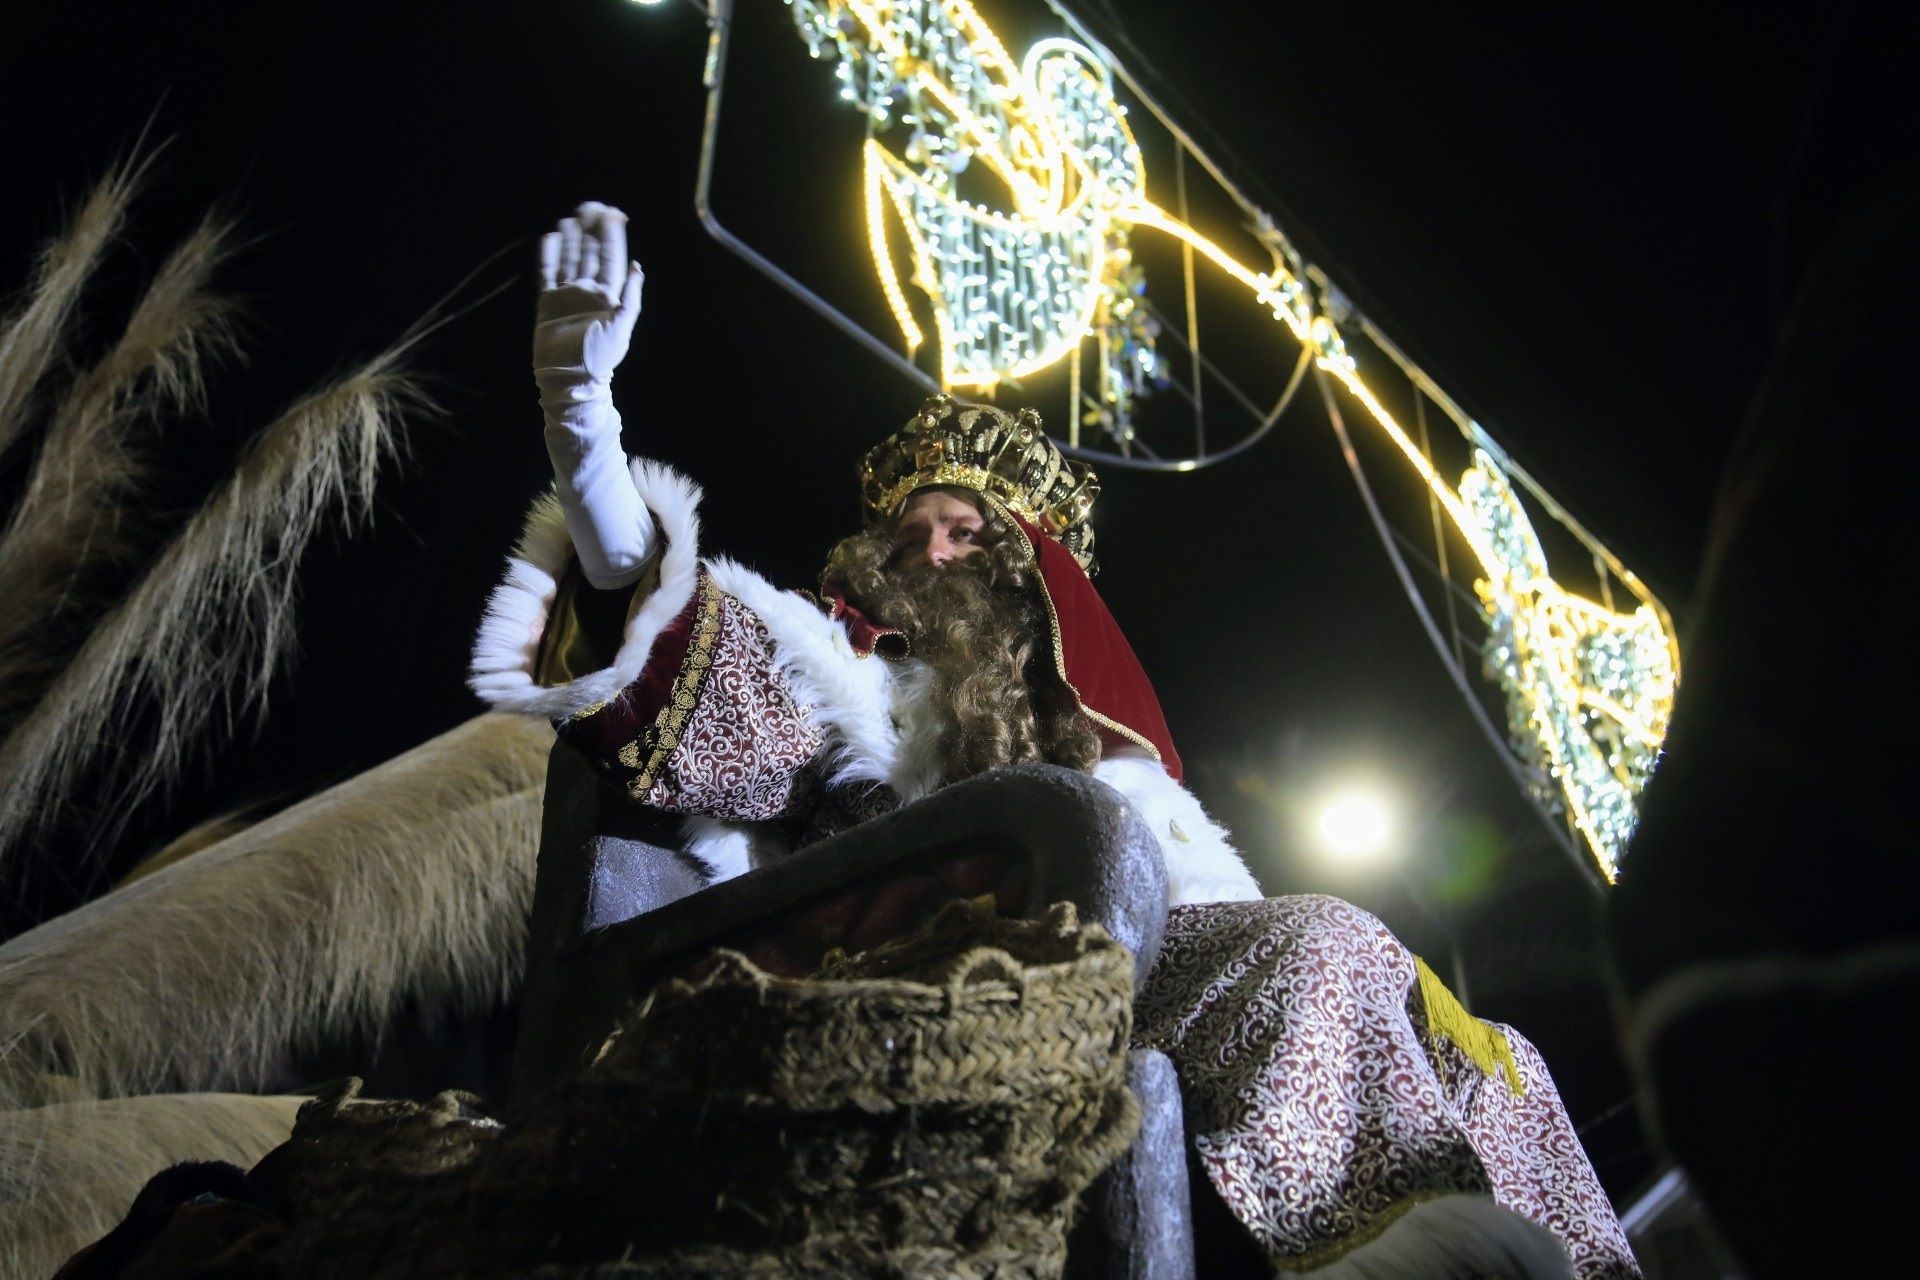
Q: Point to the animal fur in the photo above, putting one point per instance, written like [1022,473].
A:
[189,842]
[1202,864]
[32,338]
[409,882]
[227,573]
[69,1172]
[74,518]
[1453,1237]
[727,849]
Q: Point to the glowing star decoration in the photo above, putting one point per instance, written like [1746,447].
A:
[1016,288]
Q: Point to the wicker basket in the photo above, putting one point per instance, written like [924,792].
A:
[931,1108]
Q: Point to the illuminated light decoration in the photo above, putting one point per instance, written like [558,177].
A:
[1015,290]
[1589,690]
[1021,294]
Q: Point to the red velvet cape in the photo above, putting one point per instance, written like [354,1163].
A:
[1092,655]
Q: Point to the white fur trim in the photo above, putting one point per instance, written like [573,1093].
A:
[727,849]
[849,698]
[501,671]
[1202,865]
[917,770]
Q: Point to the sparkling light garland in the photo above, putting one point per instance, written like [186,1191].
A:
[1589,689]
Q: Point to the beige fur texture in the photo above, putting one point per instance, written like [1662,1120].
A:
[79,513]
[69,1172]
[34,334]
[189,842]
[411,881]
[228,572]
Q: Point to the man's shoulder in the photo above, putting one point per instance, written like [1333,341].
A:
[777,606]
[803,628]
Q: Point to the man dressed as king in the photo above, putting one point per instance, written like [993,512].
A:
[957,633]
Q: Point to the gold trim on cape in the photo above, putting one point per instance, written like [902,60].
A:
[1001,510]
[649,753]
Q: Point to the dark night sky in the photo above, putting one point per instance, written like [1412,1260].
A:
[1566,220]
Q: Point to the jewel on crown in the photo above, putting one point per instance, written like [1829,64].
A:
[1006,457]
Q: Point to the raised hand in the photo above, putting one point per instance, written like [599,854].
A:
[589,299]
[589,295]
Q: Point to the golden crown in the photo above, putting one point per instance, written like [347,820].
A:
[1007,457]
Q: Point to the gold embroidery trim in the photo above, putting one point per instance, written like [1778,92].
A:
[1053,626]
[650,751]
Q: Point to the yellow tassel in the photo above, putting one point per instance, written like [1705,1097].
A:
[1482,1042]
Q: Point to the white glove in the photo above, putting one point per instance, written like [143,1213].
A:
[589,300]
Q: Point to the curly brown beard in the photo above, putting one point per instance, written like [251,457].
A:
[979,625]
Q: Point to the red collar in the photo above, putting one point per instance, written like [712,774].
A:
[863,632]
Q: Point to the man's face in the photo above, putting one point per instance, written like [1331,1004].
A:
[936,527]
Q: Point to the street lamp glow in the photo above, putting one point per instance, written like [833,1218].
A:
[1356,825]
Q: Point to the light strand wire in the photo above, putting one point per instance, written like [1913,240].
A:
[1439,530]
[1555,828]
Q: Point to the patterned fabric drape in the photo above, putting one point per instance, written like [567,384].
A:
[1320,1107]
